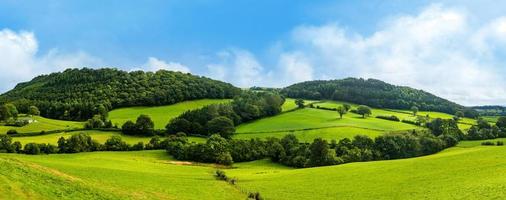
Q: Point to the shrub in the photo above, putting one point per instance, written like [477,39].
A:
[500,143]
[254,196]
[391,118]
[12,132]
[487,143]
[410,122]
[220,175]
[32,149]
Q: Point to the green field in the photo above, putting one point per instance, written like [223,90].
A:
[43,124]
[321,123]
[161,115]
[290,104]
[108,175]
[491,119]
[468,171]
[100,136]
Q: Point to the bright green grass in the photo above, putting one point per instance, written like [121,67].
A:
[290,104]
[161,115]
[473,172]
[108,175]
[316,118]
[336,133]
[491,119]
[43,124]
[100,136]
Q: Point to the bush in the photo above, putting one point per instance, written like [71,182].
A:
[488,143]
[391,118]
[500,143]
[410,122]
[220,175]
[32,149]
[254,196]
[12,132]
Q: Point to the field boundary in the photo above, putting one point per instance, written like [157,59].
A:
[318,128]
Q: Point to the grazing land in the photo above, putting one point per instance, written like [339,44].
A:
[468,171]
[108,175]
[42,124]
[161,115]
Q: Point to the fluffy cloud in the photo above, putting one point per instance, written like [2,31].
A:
[237,66]
[437,50]
[155,64]
[19,60]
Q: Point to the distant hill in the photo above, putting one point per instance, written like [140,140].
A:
[374,93]
[491,110]
[75,94]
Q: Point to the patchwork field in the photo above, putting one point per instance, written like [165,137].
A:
[161,115]
[43,124]
[290,104]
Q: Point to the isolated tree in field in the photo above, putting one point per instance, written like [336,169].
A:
[347,107]
[341,110]
[501,122]
[299,103]
[414,109]
[459,115]
[364,111]
[145,125]
[33,111]
[222,126]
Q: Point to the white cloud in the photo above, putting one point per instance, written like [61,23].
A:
[155,64]
[19,60]
[437,50]
[237,66]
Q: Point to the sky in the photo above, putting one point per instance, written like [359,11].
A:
[454,49]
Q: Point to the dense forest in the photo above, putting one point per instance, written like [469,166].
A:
[76,94]
[491,110]
[374,93]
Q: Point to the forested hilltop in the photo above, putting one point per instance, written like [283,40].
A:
[374,93]
[76,94]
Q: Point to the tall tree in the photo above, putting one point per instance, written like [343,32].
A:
[341,110]
[299,103]
[414,109]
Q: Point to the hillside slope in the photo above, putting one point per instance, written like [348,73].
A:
[374,93]
[75,93]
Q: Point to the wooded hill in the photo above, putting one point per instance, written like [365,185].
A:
[75,94]
[374,93]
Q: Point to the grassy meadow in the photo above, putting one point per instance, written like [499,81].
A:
[468,171]
[108,175]
[161,115]
[43,124]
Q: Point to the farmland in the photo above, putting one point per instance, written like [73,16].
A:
[42,124]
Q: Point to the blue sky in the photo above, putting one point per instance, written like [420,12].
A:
[454,49]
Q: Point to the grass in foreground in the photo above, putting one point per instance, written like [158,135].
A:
[108,175]
[469,171]
[161,115]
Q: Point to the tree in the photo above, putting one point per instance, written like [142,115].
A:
[364,111]
[414,109]
[145,125]
[221,125]
[12,110]
[32,148]
[5,114]
[320,153]
[501,122]
[95,122]
[459,115]
[129,128]
[115,143]
[34,111]
[299,103]
[341,110]
[103,112]
[347,107]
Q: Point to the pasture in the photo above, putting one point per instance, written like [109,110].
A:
[43,124]
[161,115]
[468,171]
[108,175]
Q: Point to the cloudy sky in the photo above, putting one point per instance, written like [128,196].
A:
[454,49]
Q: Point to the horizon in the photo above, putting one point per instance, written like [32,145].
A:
[452,49]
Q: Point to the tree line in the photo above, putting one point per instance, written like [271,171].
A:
[374,93]
[222,118]
[291,152]
[75,94]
